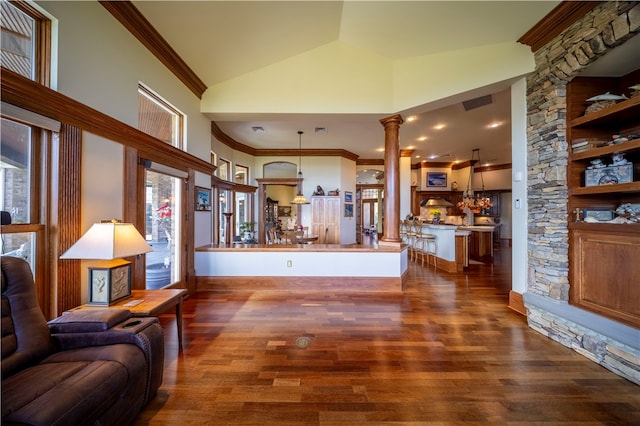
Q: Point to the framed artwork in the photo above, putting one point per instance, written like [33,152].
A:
[284,211]
[437,179]
[600,215]
[203,199]
[348,197]
[348,210]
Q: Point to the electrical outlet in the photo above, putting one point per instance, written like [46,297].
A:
[289,264]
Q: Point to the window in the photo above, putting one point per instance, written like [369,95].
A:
[162,204]
[241,175]
[26,41]
[163,192]
[223,169]
[158,118]
[20,166]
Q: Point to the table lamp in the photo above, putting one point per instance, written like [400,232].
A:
[109,241]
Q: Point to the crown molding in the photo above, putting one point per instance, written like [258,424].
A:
[556,21]
[370,162]
[235,145]
[131,18]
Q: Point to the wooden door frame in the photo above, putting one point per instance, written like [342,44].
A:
[262,199]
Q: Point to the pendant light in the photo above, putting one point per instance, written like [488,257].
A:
[475,203]
[299,198]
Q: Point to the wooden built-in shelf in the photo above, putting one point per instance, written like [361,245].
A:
[605,227]
[606,150]
[606,189]
[622,111]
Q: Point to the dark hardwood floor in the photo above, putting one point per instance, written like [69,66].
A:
[447,351]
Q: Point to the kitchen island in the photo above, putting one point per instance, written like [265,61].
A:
[481,241]
[452,246]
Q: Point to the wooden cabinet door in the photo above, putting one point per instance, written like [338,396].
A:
[325,219]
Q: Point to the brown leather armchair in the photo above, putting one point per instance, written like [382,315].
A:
[86,367]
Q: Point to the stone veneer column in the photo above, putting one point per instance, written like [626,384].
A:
[604,341]
[391,179]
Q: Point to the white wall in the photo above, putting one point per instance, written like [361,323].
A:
[519,186]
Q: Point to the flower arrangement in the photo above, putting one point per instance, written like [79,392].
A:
[435,212]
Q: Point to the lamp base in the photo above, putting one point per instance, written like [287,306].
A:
[109,282]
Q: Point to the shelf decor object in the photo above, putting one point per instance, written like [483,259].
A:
[609,175]
[108,242]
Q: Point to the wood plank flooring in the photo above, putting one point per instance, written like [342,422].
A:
[446,352]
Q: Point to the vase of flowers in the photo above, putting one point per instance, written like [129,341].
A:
[435,214]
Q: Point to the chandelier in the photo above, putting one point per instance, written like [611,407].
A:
[299,198]
[475,202]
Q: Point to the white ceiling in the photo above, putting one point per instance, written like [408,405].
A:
[222,40]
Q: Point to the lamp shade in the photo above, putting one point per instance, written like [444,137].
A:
[299,199]
[108,241]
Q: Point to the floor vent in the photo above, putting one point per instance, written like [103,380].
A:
[477,102]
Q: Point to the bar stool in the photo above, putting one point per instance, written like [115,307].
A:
[410,237]
[417,241]
[430,248]
[403,233]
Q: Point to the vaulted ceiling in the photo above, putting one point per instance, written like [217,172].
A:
[343,65]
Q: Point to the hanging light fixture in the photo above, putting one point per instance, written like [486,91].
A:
[299,198]
[475,202]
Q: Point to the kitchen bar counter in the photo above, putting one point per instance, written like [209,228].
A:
[481,243]
[452,243]
[301,267]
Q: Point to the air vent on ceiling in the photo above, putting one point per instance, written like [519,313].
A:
[258,129]
[477,102]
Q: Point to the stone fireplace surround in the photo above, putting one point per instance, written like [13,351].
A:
[611,344]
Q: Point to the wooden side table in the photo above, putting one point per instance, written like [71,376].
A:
[144,303]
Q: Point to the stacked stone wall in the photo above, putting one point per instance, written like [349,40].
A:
[605,27]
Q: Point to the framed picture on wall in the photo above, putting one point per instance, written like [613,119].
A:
[203,199]
[437,179]
[348,210]
[348,197]
[284,211]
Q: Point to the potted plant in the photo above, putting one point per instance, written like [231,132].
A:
[436,215]
[246,228]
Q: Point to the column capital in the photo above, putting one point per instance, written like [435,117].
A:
[394,119]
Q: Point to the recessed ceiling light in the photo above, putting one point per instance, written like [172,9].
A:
[417,156]
[380,149]
[439,126]
[494,125]
[411,118]
[423,138]
[258,129]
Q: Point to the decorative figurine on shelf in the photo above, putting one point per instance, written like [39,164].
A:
[618,159]
[318,191]
[578,213]
[596,164]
